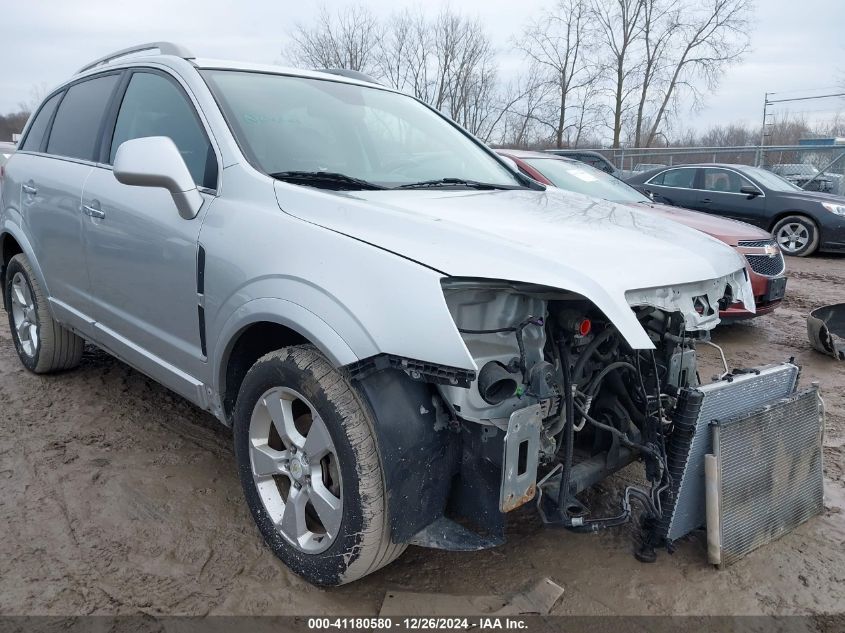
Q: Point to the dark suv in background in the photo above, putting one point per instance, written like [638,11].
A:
[593,159]
[807,177]
[802,222]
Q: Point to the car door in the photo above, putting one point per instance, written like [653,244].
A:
[719,192]
[142,256]
[673,186]
[53,171]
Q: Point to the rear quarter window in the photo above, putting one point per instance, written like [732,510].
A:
[34,140]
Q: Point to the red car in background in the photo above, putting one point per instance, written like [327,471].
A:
[764,261]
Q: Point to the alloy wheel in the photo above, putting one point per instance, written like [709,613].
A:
[24,315]
[295,469]
[793,237]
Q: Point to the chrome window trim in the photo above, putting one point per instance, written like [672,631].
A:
[68,159]
[730,193]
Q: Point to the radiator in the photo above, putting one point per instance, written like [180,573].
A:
[684,504]
[764,476]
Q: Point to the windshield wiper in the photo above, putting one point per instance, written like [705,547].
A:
[451,182]
[325,180]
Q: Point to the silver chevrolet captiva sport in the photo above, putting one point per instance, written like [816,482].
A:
[409,337]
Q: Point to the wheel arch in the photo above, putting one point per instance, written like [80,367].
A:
[14,242]
[785,214]
[261,326]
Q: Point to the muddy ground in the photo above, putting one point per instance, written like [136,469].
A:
[118,497]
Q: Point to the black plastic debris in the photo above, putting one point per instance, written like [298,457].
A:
[826,330]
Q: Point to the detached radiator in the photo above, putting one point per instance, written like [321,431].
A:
[684,505]
[764,476]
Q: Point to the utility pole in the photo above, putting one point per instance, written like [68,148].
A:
[767,103]
[763,130]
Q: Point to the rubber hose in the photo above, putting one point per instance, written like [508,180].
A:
[588,352]
[593,388]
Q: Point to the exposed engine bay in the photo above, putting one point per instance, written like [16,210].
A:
[570,399]
[561,400]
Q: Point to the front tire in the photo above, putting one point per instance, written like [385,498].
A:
[310,468]
[796,235]
[42,344]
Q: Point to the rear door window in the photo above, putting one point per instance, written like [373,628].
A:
[681,178]
[76,129]
[34,140]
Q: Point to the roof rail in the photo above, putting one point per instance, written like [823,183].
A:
[164,48]
[349,74]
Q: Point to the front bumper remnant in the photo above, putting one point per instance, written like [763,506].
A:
[826,330]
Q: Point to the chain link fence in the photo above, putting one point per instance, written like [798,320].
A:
[818,165]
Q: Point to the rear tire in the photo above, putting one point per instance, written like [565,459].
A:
[796,235]
[304,439]
[42,344]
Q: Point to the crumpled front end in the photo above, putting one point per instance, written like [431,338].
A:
[698,302]
[560,401]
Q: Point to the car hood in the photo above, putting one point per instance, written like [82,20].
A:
[551,238]
[724,229]
[816,196]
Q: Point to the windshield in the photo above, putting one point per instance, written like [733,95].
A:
[770,180]
[584,179]
[295,124]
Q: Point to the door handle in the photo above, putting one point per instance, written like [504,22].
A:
[29,190]
[706,201]
[93,212]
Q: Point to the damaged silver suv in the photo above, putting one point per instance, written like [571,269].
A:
[409,338]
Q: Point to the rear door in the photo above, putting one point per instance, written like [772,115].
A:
[142,255]
[53,169]
[675,186]
[720,194]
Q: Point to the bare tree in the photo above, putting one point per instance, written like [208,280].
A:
[37,92]
[447,61]
[620,28]
[465,69]
[589,114]
[660,22]
[345,39]
[403,57]
[708,36]
[559,44]
[627,66]
[11,124]
[521,121]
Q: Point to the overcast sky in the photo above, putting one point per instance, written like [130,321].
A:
[796,45]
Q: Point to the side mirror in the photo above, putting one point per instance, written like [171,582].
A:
[155,161]
[751,191]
